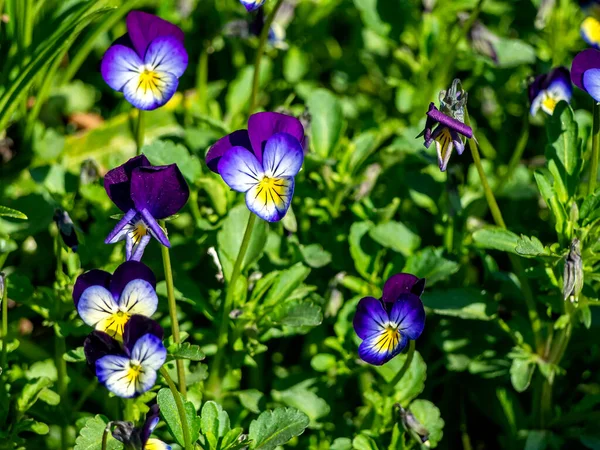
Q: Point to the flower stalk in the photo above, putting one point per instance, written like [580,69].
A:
[139,131]
[180,409]
[595,148]
[409,357]
[4,300]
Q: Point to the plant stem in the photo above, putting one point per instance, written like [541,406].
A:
[60,347]
[105,436]
[202,82]
[517,154]
[595,149]
[264,34]
[4,300]
[139,132]
[173,311]
[215,373]
[180,409]
[128,410]
[409,357]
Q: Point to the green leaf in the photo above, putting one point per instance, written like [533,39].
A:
[273,428]
[429,416]
[168,411]
[250,399]
[315,256]
[5,211]
[431,265]
[521,372]
[31,426]
[531,247]
[240,89]
[341,444]
[75,355]
[545,182]
[590,208]
[185,350]
[364,442]
[162,153]
[327,122]
[363,260]
[413,381]
[90,436]
[296,64]
[287,281]
[303,399]
[396,236]
[299,313]
[214,422]
[496,238]
[31,392]
[514,52]
[466,303]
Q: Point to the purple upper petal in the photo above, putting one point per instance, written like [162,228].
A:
[585,60]
[238,138]
[137,327]
[99,344]
[128,271]
[152,418]
[557,77]
[402,283]
[161,190]
[409,315]
[117,182]
[450,122]
[261,126]
[93,277]
[143,28]
[370,317]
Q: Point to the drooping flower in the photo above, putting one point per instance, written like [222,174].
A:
[145,193]
[252,5]
[449,124]
[386,325]
[139,438]
[66,229]
[585,72]
[130,370]
[107,302]
[484,41]
[262,162]
[147,62]
[548,89]
[573,276]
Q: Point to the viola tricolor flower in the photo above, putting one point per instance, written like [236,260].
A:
[590,31]
[139,438]
[147,62]
[262,162]
[130,370]
[585,72]
[107,302]
[252,5]
[386,325]
[547,90]
[145,193]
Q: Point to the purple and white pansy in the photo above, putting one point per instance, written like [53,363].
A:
[548,89]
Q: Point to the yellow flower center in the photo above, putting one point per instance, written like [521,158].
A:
[388,339]
[548,104]
[115,324]
[271,190]
[149,80]
[134,372]
[139,231]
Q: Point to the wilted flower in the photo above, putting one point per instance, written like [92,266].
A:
[585,72]
[66,229]
[136,438]
[147,62]
[573,273]
[262,162]
[252,5]
[590,31]
[145,193]
[484,41]
[89,172]
[412,425]
[548,89]
[386,325]
[107,302]
[130,370]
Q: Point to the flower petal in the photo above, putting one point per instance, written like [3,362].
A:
[370,317]
[117,182]
[252,5]
[149,90]
[127,272]
[95,305]
[155,229]
[99,344]
[583,61]
[137,327]
[381,347]
[443,146]
[113,371]
[240,169]
[238,138]
[263,125]
[166,54]
[161,190]
[139,297]
[122,228]
[591,83]
[149,351]
[155,444]
[152,419]
[135,245]
[283,156]
[120,65]
[271,198]
[409,315]
[590,31]
[402,283]
[91,278]
[143,28]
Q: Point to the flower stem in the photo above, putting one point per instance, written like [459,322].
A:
[215,373]
[403,369]
[180,409]
[60,349]
[105,435]
[4,301]
[173,311]
[128,410]
[264,34]
[595,149]
[139,132]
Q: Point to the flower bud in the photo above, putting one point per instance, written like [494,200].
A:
[573,274]
[2,286]
[412,425]
[66,229]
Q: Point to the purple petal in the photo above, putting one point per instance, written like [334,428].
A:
[128,271]
[379,348]
[117,182]
[137,327]
[155,229]
[536,87]
[591,82]
[240,169]
[134,250]
[261,126]
[585,60]
[457,142]
[283,156]
[143,28]
[238,138]
[123,226]
[450,122]
[99,344]
[152,418]
[402,283]
[252,5]
[120,65]
[409,315]
[161,190]
[149,351]
[167,54]
[93,277]
[429,124]
[370,317]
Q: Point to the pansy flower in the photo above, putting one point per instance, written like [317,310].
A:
[547,90]
[386,325]
[107,302]
[585,72]
[139,438]
[262,162]
[147,62]
[252,5]
[130,370]
[145,193]
[590,31]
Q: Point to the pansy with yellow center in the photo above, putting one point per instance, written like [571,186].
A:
[139,437]
[147,62]
[548,89]
[107,302]
[386,325]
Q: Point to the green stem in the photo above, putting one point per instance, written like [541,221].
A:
[173,311]
[595,149]
[515,159]
[139,132]
[128,410]
[61,381]
[259,54]
[4,300]
[216,372]
[409,357]
[202,82]
[180,409]
[105,436]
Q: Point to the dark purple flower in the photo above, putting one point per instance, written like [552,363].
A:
[130,370]
[585,72]
[386,325]
[145,193]
[252,5]
[147,62]
[262,162]
[66,229]
[548,89]
[107,302]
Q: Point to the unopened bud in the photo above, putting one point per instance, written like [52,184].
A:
[66,229]
[573,274]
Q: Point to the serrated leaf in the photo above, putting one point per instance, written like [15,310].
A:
[168,411]
[90,436]
[429,416]
[185,350]
[496,238]
[5,211]
[273,428]
[531,247]
[301,313]
[214,420]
